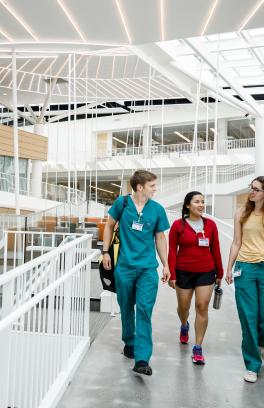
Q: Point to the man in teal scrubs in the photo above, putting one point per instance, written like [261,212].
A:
[141,226]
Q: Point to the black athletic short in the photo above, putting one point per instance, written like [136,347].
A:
[190,280]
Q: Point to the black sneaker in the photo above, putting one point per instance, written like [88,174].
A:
[142,367]
[128,351]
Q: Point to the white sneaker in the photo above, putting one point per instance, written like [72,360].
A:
[261,350]
[250,376]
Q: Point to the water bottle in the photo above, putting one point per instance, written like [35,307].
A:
[218,293]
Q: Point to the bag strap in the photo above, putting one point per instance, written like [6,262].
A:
[125,203]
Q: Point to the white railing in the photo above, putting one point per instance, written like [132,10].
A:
[182,148]
[60,212]
[225,232]
[48,191]
[223,175]
[44,330]
[23,246]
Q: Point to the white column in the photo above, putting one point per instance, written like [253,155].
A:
[222,136]
[124,186]
[15,133]
[146,141]
[109,144]
[259,149]
[39,129]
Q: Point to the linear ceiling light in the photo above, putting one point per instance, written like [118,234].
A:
[212,130]
[123,21]
[252,126]
[211,12]
[71,19]
[19,19]
[116,185]
[162,20]
[118,140]
[251,14]
[183,137]
[102,189]
[4,34]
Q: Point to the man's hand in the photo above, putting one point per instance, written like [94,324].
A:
[107,261]
[172,284]
[166,274]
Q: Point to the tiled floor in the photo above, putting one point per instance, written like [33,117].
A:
[105,378]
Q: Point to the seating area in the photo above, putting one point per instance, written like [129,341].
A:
[82,225]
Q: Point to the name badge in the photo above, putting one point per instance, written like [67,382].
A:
[137,226]
[237,273]
[203,242]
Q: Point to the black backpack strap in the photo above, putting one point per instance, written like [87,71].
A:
[125,202]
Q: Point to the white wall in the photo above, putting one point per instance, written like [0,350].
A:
[7,200]
[81,142]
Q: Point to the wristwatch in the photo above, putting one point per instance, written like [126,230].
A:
[105,252]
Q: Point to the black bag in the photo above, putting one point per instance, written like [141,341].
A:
[107,275]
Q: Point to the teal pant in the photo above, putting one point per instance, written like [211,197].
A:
[249,291]
[137,287]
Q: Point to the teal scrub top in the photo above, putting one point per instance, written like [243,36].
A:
[137,248]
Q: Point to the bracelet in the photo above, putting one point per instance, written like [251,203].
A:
[105,252]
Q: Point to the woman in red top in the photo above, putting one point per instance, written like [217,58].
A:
[195,265]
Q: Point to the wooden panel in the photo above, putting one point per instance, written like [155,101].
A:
[4,210]
[30,145]
[102,144]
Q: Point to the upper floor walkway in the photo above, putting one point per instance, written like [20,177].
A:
[178,156]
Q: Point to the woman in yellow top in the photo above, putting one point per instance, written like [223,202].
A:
[248,250]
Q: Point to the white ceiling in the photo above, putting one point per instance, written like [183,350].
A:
[108,40]
[100,21]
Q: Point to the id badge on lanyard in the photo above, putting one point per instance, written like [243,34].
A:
[203,241]
[137,225]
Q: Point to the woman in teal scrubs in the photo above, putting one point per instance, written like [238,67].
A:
[248,250]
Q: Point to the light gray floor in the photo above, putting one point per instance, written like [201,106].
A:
[105,379]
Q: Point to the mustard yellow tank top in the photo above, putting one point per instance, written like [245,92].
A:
[252,248]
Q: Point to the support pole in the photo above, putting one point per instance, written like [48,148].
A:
[15,133]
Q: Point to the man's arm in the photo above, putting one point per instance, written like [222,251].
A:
[108,235]
[161,245]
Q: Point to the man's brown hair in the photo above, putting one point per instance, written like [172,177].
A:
[141,177]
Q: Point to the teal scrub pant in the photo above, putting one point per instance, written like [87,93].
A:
[137,286]
[249,292]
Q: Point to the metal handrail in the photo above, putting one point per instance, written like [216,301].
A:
[182,148]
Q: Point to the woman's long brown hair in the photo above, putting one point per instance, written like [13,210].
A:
[250,205]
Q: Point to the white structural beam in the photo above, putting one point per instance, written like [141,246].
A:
[19,113]
[80,110]
[30,110]
[160,61]
[257,54]
[47,99]
[211,61]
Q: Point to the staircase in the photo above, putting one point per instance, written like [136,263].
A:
[229,180]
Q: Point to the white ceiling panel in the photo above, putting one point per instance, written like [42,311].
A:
[9,24]
[143,20]
[230,14]
[185,18]
[99,20]
[46,19]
